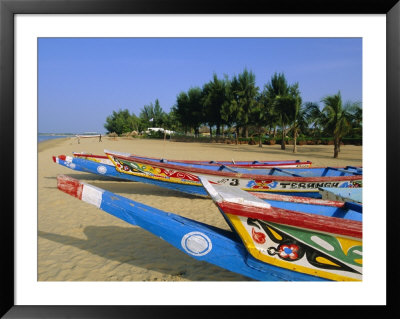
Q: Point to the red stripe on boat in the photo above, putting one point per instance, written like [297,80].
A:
[70,186]
[62,157]
[298,199]
[332,225]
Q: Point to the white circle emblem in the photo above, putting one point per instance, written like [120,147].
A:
[72,165]
[102,169]
[196,243]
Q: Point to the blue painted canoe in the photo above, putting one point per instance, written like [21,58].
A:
[107,170]
[104,167]
[189,183]
[198,240]
[288,181]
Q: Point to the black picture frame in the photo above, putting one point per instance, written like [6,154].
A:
[9,8]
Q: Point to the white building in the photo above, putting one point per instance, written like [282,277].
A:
[159,129]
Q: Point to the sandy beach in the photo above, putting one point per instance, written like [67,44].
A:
[78,242]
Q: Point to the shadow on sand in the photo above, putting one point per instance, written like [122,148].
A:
[139,248]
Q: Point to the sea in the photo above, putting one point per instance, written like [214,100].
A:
[46,137]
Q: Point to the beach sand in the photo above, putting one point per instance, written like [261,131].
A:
[78,242]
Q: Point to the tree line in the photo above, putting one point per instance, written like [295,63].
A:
[238,106]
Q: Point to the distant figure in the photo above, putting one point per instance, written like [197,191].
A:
[100,138]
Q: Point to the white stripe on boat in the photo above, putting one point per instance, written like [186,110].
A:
[92,195]
[232,195]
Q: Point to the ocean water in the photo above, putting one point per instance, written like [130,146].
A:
[42,138]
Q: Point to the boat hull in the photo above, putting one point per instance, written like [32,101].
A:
[178,175]
[328,246]
[244,164]
[186,182]
[336,258]
[90,166]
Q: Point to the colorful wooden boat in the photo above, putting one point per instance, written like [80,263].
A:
[315,243]
[233,164]
[105,167]
[288,181]
[213,245]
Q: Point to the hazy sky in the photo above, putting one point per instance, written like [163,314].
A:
[82,80]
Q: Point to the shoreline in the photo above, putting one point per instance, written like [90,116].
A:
[78,242]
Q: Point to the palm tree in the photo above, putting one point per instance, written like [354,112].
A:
[315,117]
[264,114]
[214,98]
[259,118]
[356,120]
[277,91]
[299,119]
[230,111]
[285,107]
[337,118]
[245,92]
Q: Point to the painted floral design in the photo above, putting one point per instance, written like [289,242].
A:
[258,237]
[288,251]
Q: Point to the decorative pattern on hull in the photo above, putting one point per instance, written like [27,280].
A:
[323,255]
[175,176]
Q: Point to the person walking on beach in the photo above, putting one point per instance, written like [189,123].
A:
[100,138]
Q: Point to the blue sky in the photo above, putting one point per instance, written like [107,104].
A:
[82,80]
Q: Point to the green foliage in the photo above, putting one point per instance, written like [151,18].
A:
[246,94]
[189,109]
[214,99]
[231,106]
[338,118]
[121,122]
[152,115]
[285,101]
